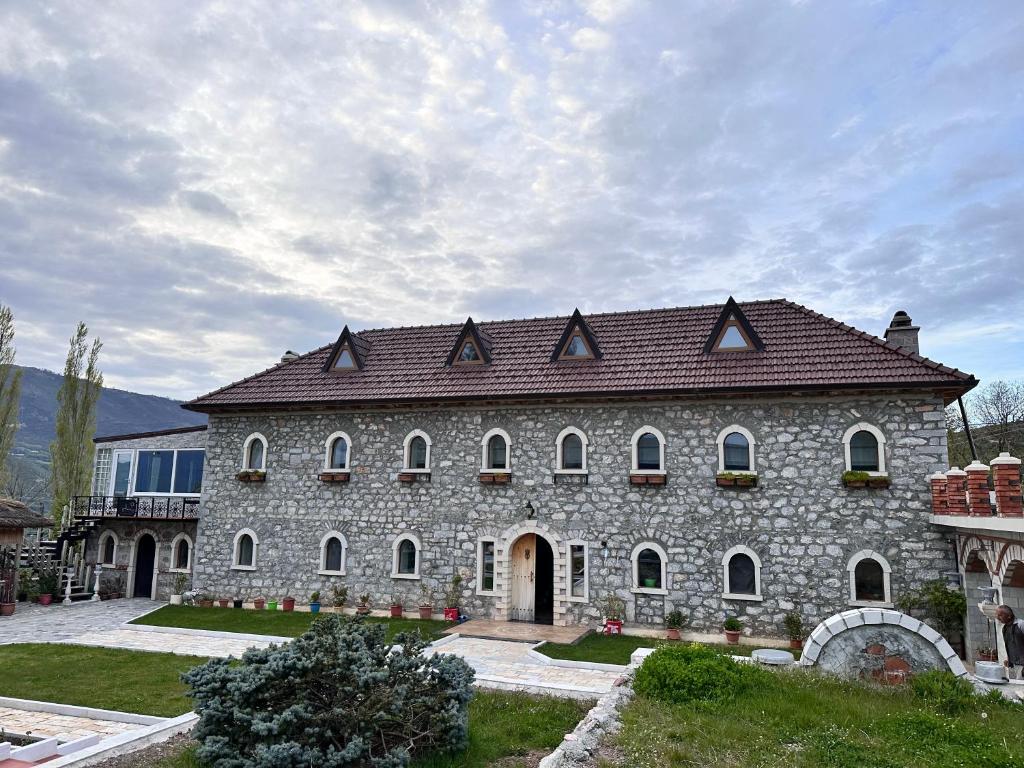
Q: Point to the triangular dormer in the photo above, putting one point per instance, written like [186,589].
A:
[347,354]
[473,347]
[733,332]
[577,341]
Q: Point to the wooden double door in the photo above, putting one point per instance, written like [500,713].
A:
[532,565]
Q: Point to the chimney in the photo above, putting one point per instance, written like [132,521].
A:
[903,333]
[288,356]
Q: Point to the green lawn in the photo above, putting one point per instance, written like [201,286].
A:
[277,623]
[616,649]
[107,678]
[813,721]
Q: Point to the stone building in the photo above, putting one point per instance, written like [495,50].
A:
[747,459]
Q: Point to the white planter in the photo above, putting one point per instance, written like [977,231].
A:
[175,599]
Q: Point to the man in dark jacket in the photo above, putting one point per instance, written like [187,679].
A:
[1013,639]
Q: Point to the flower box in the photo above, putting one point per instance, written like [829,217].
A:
[865,480]
[335,477]
[496,478]
[407,477]
[731,480]
[251,476]
[647,479]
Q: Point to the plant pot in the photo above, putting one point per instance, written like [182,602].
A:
[363,610]
[206,603]
[406,477]
[259,603]
[223,602]
[176,600]
[314,607]
[396,611]
[725,482]
[45,599]
[334,477]
[649,583]
[272,605]
[451,614]
[673,634]
[855,483]
[6,609]
[236,603]
[796,644]
[732,636]
[426,611]
[988,657]
[289,604]
[613,626]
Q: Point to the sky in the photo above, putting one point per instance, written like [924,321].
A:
[207,185]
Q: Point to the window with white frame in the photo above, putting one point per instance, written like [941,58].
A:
[869,579]
[338,454]
[864,448]
[181,553]
[571,451]
[333,548]
[168,472]
[405,561]
[108,548]
[496,452]
[650,568]
[417,452]
[245,547]
[101,472]
[741,574]
[735,450]
[254,452]
[578,566]
[648,449]
[486,562]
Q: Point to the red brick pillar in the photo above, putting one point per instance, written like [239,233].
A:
[939,504]
[1006,474]
[956,491]
[978,504]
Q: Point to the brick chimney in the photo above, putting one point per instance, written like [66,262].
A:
[903,333]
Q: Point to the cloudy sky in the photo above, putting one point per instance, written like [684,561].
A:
[210,184]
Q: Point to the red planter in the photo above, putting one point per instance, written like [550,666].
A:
[259,603]
[45,599]
[732,637]
[6,609]
[335,477]
[796,645]
[451,614]
[396,611]
[613,627]
[288,604]
[206,603]
[223,602]
[673,634]
[426,611]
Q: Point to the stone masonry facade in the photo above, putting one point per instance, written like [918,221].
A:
[800,521]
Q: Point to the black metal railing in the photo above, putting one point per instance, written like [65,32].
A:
[142,507]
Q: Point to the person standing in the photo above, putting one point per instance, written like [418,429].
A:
[1013,639]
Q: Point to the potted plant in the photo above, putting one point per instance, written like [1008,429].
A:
[364,605]
[288,604]
[314,602]
[223,602]
[451,598]
[396,606]
[426,607]
[733,627]
[674,622]
[613,608]
[794,630]
[8,592]
[259,603]
[339,596]
[205,601]
[48,584]
[735,479]
[987,653]
[856,479]
[271,605]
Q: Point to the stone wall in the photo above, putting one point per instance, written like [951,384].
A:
[128,531]
[800,520]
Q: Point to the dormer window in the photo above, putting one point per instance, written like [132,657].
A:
[472,347]
[469,354]
[347,354]
[733,332]
[577,341]
[345,360]
[576,347]
[732,338]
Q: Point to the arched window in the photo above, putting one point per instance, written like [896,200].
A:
[245,550]
[181,553]
[338,456]
[742,574]
[254,452]
[735,450]
[417,452]
[405,561]
[497,452]
[108,548]
[650,568]
[571,451]
[869,579]
[333,548]
[864,448]
[648,451]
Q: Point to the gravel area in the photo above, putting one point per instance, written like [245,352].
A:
[151,757]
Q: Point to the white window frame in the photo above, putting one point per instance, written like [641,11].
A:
[394,556]
[131,471]
[558,451]
[720,440]
[727,593]
[634,560]
[569,596]
[508,452]
[863,426]
[480,566]
[406,446]
[245,452]
[329,445]
[103,540]
[255,550]
[174,471]
[191,551]
[323,570]
[635,457]
[851,567]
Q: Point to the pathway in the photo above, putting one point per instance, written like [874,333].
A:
[31,722]
[33,623]
[520,631]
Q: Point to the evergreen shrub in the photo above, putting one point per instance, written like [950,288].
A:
[338,696]
[694,673]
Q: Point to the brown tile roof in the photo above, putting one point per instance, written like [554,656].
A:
[14,514]
[658,351]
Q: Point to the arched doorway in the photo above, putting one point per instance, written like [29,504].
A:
[533,580]
[145,566]
[979,630]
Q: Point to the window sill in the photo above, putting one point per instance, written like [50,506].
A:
[330,573]
[413,576]
[486,593]
[655,472]
[741,596]
[243,567]
[871,604]
[570,471]
[406,471]
[648,591]
[169,570]
[583,599]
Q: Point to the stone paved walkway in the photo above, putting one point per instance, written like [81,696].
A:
[33,623]
[64,727]
[170,640]
[519,631]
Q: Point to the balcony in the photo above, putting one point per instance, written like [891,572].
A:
[138,507]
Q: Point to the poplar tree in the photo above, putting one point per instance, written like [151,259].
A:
[71,453]
[10,391]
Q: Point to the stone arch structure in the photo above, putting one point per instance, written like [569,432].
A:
[878,643]
[976,567]
[503,570]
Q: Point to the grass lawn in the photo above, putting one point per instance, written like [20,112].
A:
[616,649]
[812,721]
[108,678]
[277,623]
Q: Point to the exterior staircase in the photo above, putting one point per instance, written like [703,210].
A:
[73,530]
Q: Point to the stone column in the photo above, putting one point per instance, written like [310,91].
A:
[939,504]
[1006,473]
[956,491]
[977,489]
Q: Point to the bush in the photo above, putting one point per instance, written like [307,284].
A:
[732,624]
[336,697]
[696,673]
[944,691]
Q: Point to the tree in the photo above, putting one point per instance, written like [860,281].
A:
[10,391]
[996,416]
[71,452]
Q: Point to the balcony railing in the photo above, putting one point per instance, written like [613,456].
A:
[140,507]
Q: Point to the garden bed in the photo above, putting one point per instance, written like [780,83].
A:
[616,649]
